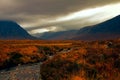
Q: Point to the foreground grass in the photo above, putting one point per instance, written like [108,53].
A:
[13,53]
[72,60]
[97,60]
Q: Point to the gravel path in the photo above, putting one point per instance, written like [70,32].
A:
[22,72]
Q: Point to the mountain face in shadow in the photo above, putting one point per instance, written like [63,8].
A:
[11,30]
[110,26]
[109,29]
[61,35]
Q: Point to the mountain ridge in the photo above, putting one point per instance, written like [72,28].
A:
[106,30]
[109,29]
[11,30]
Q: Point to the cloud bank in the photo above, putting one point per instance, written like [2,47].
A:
[38,16]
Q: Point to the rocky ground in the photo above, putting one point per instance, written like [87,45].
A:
[22,72]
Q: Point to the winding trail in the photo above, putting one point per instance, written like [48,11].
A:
[22,72]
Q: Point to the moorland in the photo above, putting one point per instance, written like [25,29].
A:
[65,59]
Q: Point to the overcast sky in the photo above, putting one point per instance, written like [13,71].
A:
[37,16]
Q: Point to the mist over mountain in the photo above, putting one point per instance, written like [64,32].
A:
[11,30]
[109,29]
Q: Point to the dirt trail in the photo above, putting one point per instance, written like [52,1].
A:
[23,72]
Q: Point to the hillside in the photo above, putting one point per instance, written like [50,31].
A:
[11,30]
[109,29]
[61,35]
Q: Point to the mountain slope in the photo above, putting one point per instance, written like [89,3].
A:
[106,30]
[61,35]
[109,29]
[11,30]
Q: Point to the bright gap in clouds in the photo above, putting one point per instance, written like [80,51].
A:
[39,31]
[86,17]
[52,28]
[108,10]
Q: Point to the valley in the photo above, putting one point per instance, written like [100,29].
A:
[59,40]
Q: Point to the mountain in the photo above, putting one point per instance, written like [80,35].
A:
[109,29]
[61,35]
[106,30]
[11,30]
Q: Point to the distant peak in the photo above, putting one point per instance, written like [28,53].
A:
[7,21]
[11,30]
[118,16]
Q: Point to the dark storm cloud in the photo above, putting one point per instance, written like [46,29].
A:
[35,14]
[50,7]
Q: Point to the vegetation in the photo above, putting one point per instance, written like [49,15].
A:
[96,60]
[72,60]
[14,52]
